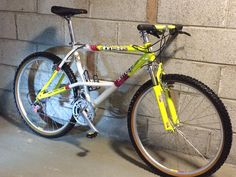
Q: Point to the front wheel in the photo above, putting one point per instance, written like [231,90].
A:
[201,141]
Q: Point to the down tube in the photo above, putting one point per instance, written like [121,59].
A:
[117,83]
[134,68]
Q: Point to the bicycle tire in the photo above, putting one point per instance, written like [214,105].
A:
[160,167]
[70,76]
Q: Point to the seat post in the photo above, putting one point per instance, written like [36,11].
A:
[72,36]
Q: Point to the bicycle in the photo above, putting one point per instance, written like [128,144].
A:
[177,124]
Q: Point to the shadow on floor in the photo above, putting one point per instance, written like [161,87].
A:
[126,151]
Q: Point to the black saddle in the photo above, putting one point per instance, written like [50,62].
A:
[67,12]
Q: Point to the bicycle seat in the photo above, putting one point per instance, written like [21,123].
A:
[67,12]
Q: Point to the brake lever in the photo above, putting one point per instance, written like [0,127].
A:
[186,33]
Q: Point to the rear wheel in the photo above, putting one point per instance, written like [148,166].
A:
[53,117]
[200,143]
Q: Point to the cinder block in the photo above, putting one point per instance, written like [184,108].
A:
[94,31]
[228,82]
[12,52]
[8,27]
[111,125]
[7,77]
[232,156]
[206,73]
[42,47]
[112,65]
[205,13]
[44,6]
[119,10]
[212,45]
[128,33]
[45,29]
[18,5]
[7,106]
[230,106]
[118,103]
[232,14]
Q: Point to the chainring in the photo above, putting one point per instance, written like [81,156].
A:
[80,105]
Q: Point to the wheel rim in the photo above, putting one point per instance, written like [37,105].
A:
[170,157]
[56,113]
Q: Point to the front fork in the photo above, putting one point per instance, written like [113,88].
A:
[163,96]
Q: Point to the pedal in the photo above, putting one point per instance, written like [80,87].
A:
[92,135]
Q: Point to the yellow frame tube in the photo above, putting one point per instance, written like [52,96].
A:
[160,93]
[41,93]
[59,82]
[171,107]
[159,97]
[52,93]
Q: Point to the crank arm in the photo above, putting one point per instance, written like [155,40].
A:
[90,124]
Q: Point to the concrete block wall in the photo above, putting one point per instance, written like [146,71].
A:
[209,55]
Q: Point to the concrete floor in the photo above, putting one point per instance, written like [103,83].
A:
[23,154]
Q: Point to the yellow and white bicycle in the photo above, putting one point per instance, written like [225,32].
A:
[177,125]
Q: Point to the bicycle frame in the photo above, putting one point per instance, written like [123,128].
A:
[147,57]
[112,86]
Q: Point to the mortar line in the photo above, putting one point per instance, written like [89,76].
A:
[8,65]
[123,53]
[226,98]
[219,81]
[15,18]
[132,21]
[37,6]
[209,27]
[204,62]
[158,2]
[32,42]
[6,90]
[89,8]
[227,13]
[117,33]
[122,20]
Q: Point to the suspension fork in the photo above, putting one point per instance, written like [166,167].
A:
[162,95]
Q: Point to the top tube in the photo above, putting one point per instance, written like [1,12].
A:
[115,48]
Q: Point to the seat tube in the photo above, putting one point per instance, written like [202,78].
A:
[152,75]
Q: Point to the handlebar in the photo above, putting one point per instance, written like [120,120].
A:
[178,30]
[157,30]
[184,32]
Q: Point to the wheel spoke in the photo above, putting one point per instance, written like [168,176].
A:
[55,113]
[180,152]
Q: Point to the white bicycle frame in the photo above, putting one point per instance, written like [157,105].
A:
[110,86]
